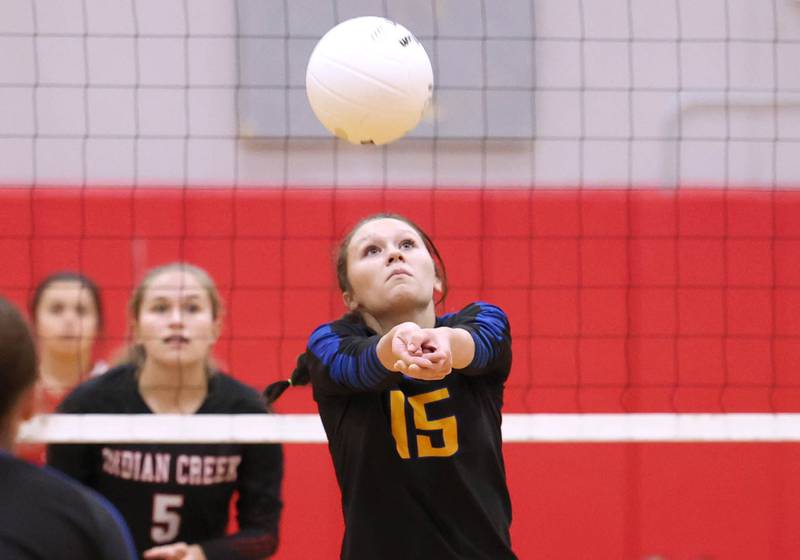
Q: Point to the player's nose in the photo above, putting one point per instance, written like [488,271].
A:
[176,316]
[394,255]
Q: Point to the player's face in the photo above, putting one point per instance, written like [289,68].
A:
[66,319]
[176,325]
[389,268]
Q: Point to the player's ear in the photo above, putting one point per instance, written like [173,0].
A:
[350,302]
[217,328]
[437,284]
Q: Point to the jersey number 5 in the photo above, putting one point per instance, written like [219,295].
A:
[425,448]
[166,520]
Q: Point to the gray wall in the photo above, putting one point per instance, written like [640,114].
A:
[528,92]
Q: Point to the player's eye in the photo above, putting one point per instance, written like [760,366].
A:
[159,307]
[56,308]
[192,308]
[370,250]
[82,310]
[407,244]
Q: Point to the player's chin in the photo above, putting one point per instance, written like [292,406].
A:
[179,358]
[68,346]
[406,298]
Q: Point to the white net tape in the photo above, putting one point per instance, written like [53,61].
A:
[307,428]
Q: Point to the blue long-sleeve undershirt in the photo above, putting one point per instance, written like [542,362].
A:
[350,354]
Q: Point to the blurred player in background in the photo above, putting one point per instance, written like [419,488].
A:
[42,516]
[175,497]
[411,403]
[67,314]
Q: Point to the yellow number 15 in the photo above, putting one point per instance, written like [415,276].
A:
[425,448]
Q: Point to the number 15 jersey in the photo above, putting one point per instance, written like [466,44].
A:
[419,463]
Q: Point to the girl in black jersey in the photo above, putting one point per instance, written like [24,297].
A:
[67,315]
[411,403]
[175,497]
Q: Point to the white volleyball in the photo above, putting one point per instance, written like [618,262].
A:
[369,80]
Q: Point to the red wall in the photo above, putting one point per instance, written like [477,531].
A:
[651,301]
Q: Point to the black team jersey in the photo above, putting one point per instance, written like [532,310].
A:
[45,516]
[180,492]
[419,463]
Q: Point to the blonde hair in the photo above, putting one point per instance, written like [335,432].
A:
[135,353]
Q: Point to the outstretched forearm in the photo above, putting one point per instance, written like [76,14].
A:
[462,346]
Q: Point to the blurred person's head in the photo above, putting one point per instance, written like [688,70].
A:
[175,317]
[67,313]
[18,372]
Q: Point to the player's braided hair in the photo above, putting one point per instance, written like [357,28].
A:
[301,374]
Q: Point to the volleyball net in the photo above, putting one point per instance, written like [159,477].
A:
[621,301]
[307,428]
[621,181]
[620,176]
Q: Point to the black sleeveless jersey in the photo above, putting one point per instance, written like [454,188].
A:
[180,492]
[419,463]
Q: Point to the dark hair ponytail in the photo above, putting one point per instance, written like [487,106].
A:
[300,376]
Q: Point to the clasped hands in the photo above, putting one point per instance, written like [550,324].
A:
[422,353]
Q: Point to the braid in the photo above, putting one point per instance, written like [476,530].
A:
[300,376]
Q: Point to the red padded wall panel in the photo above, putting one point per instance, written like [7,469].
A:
[651,301]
